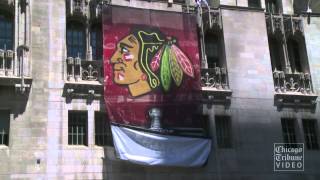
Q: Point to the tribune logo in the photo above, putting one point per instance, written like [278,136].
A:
[288,157]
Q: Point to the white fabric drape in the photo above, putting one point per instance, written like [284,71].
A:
[155,149]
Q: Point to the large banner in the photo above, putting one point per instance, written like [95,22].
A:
[152,74]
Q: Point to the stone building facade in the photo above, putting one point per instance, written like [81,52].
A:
[260,78]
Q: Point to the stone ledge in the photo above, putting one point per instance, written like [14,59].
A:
[216,96]
[77,90]
[295,101]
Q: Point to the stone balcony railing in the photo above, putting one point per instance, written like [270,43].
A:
[83,78]
[214,78]
[14,69]
[83,71]
[215,85]
[6,63]
[295,83]
[293,90]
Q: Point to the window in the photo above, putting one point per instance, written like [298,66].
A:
[6,32]
[288,131]
[96,41]
[310,133]
[272,6]
[77,127]
[76,40]
[212,50]
[223,129]
[288,51]
[294,55]
[4,127]
[300,6]
[276,54]
[103,135]
[254,3]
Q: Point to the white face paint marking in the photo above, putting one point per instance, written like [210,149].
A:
[120,77]
[129,56]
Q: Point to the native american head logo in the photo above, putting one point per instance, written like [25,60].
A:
[146,59]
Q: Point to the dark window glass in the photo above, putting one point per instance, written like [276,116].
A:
[76,40]
[272,6]
[103,135]
[294,55]
[223,129]
[288,131]
[96,42]
[276,54]
[212,50]
[310,133]
[254,3]
[77,128]
[300,6]
[4,127]
[6,32]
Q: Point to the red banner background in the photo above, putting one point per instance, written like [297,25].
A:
[180,104]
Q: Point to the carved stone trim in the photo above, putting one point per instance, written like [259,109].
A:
[82,91]
[83,71]
[293,25]
[275,24]
[294,83]
[77,8]
[295,101]
[293,90]
[212,21]
[214,78]
[215,86]
[96,7]
[87,9]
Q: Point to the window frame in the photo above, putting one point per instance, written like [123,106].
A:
[71,125]
[97,28]
[277,58]
[296,44]
[277,9]
[10,18]
[254,5]
[289,138]
[224,131]
[217,37]
[74,25]
[104,131]
[311,136]
[6,130]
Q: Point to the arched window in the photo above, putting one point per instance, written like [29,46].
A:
[6,32]
[212,50]
[96,41]
[76,40]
